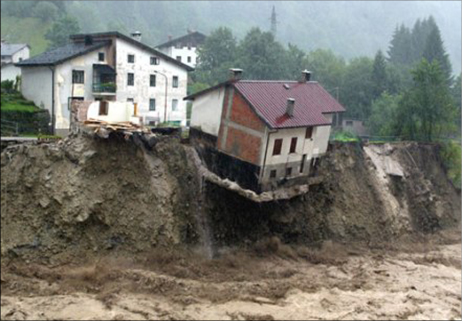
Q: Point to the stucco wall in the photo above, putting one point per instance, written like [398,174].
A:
[141,92]
[36,85]
[21,54]
[10,72]
[117,111]
[183,52]
[206,111]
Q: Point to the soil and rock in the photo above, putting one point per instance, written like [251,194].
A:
[117,225]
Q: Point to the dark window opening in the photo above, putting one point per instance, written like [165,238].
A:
[288,171]
[131,79]
[349,123]
[302,164]
[101,56]
[130,100]
[178,58]
[152,80]
[154,61]
[103,108]
[77,77]
[309,132]
[293,145]
[277,146]
[131,58]
[152,104]
[273,174]
[175,82]
[189,59]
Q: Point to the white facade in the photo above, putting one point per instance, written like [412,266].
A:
[186,55]
[207,110]
[116,112]
[141,92]
[9,70]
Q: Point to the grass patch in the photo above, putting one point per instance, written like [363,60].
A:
[343,136]
[17,106]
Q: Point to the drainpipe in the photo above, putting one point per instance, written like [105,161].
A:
[52,100]
[266,153]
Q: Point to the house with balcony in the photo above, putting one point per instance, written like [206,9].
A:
[107,66]
[261,134]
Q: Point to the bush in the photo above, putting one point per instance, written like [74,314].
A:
[7,85]
[452,159]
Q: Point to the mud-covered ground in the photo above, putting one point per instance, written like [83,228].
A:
[417,279]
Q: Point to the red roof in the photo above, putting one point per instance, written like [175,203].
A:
[269,99]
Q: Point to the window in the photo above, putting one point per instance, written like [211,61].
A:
[130,100]
[309,132]
[20,59]
[273,174]
[103,108]
[154,61]
[175,105]
[152,104]
[288,171]
[277,146]
[131,79]
[293,145]
[131,58]
[349,123]
[189,58]
[178,58]
[152,80]
[100,56]
[175,82]
[77,77]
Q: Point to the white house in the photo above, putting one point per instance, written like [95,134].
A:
[262,134]
[11,54]
[184,48]
[107,66]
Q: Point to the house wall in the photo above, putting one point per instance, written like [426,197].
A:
[36,85]
[207,110]
[22,54]
[184,53]
[117,112]
[141,92]
[312,148]
[241,132]
[354,126]
[10,72]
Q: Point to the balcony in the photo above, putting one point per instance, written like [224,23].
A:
[104,80]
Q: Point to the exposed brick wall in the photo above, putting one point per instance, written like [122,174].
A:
[243,145]
[243,114]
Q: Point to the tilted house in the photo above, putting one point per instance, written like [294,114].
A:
[262,134]
[107,66]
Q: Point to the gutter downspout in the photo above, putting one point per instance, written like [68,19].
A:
[53,121]
[266,153]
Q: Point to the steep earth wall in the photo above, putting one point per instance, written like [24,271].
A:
[85,196]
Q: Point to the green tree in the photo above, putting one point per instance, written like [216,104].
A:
[261,56]
[400,51]
[379,75]
[20,9]
[328,69]
[383,115]
[59,33]
[216,56]
[45,11]
[434,50]
[427,109]
[294,62]
[456,94]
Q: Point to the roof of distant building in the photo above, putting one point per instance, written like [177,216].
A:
[193,38]
[269,101]
[8,49]
[61,54]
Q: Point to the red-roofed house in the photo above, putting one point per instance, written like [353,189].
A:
[262,134]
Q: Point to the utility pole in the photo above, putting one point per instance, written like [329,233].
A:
[166,87]
[274,22]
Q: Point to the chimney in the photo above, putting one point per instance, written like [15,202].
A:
[235,74]
[88,40]
[306,75]
[290,107]
[136,35]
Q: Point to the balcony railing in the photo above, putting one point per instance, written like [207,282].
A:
[104,88]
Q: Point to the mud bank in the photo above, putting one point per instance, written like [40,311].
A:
[86,196]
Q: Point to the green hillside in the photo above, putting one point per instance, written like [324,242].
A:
[26,30]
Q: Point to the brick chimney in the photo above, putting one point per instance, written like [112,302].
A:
[235,74]
[306,76]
